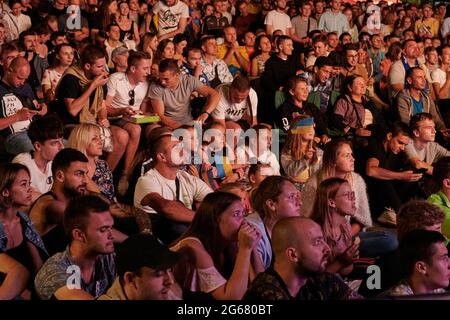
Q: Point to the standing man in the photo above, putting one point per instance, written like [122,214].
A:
[277,19]
[334,20]
[303,24]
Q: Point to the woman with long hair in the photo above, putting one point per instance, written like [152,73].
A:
[63,58]
[300,157]
[180,42]
[149,44]
[106,15]
[262,54]
[335,201]
[219,249]
[274,199]
[22,251]
[165,50]
[129,31]
[338,162]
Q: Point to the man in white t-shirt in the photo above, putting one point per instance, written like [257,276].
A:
[46,135]
[237,101]
[126,97]
[278,20]
[166,192]
[172,18]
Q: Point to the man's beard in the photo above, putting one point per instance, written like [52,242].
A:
[72,193]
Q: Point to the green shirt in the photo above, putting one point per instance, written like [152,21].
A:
[441,200]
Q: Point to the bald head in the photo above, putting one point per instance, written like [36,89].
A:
[298,242]
[18,72]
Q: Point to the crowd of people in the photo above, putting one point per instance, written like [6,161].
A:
[221,149]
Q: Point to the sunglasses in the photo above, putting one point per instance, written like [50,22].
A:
[131,95]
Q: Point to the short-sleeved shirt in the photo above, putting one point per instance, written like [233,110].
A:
[176,102]
[234,111]
[40,181]
[387,160]
[222,51]
[439,76]
[302,27]
[278,21]
[69,87]
[430,154]
[327,286]
[169,17]
[191,189]
[56,274]
[119,87]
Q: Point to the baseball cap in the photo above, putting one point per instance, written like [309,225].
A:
[144,250]
[118,51]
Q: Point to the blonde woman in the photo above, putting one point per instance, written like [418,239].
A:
[86,138]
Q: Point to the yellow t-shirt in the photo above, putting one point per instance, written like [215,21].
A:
[430,25]
[222,51]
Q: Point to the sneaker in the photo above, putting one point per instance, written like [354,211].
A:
[122,186]
[388,217]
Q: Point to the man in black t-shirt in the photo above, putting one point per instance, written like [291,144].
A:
[387,182]
[301,256]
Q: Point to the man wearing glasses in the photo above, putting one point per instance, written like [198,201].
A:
[126,97]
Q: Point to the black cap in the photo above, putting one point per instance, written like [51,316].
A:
[144,250]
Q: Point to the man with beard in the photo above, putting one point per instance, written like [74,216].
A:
[86,268]
[69,169]
[298,273]
[165,192]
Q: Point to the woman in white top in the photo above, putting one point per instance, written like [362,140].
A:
[219,249]
[64,55]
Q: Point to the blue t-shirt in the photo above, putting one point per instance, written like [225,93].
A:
[417,106]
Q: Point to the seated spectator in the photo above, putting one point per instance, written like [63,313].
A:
[298,273]
[298,104]
[300,157]
[258,149]
[193,66]
[353,113]
[144,269]
[322,92]
[338,162]
[18,107]
[335,201]
[234,55]
[423,152]
[76,31]
[320,46]
[213,20]
[388,182]
[119,59]
[414,99]
[351,64]
[69,175]
[90,251]
[64,57]
[441,174]
[441,81]
[425,264]
[112,42]
[46,136]
[276,198]
[22,252]
[164,50]
[165,191]
[86,138]
[238,102]
[262,53]
[80,95]
[257,173]
[7,54]
[219,249]
[216,70]
[126,96]
[170,96]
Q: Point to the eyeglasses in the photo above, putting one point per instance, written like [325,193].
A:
[131,95]
[350,195]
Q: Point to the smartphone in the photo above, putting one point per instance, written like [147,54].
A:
[421,170]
